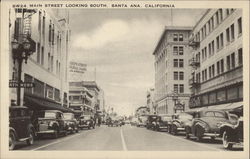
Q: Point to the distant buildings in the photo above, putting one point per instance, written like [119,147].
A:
[172,70]
[151,101]
[47,66]
[217,76]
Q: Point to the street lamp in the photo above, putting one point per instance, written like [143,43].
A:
[21,51]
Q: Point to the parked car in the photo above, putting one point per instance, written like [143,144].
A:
[72,123]
[151,122]
[163,121]
[134,121]
[20,127]
[178,122]
[52,122]
[207,123]
[142,121]
[86,121]
[232,133]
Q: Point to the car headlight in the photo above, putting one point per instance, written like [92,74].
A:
[51,123]
[88,122]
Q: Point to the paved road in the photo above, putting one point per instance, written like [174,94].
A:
[124,138]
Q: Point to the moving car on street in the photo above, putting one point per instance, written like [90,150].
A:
[20,127]
[142,121]
[52,122]
[134,121]
[72,123]
[207,122]
[178,122]
[86,121]
[163,122]
[151,122]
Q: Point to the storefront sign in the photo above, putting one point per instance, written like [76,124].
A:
[15,84]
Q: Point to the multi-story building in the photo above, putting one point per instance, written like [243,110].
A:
[80,99]
[93,89]
[151,101]
[172,70]
[217,76]
[47,66]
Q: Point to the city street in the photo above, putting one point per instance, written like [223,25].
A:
[125,138]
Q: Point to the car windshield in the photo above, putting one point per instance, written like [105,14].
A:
[50,115]
[143,118]
[166,118]
[67,116]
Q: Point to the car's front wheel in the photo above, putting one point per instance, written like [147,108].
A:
[225,141]
[30,141]
[174,130]
[12,140]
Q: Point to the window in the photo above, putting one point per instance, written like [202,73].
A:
[227,12]
[221,95]
[240,60]
[27,78]
[39,88]
[49,61]
[42,56]
[175,50]
[181,50]
[181,88]
[232,93]
[175,38]
[228,35]
[181,75]
[221,15]
[205,53]
[212,70]
[232,32]
[176,88]
[202,54]
[204,99]
[205,73]
[212,47]
[222,65]
[180,37]
[57,95]
[181,63]
[217,43]
[233,60]
[203,76]
[218,67]
[217,18]
[209,49]
[175,62]
[50,32]
[221,40]
[38,53]
[212,22]
[228,63]
[241,92]
[239,26]
[175,75]
[209,26]
[212,97]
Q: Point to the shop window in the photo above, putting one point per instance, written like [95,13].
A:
[212,98]
[232,93]
[57,95]
[241,92]
[39,88]
[221,95]
[49,92]
[204,99]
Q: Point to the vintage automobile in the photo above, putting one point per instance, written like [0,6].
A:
[163,121]
[86,121]
[206,123]
[151,122]
[114,121]
[142,120]
[134,121]
[232,133]
[72,123]
[52,122]
[178,122]
[20,127]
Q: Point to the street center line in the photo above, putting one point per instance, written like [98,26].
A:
[123,142]
[58,141]
[188,140]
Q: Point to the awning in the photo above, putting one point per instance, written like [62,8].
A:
[43,104]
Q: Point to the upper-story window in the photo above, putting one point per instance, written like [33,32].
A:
[239,26]
[175,37]
[180,37]
[232,32]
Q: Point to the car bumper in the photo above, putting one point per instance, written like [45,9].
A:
[211,134]
[83,126]
[46,132]
[181,129]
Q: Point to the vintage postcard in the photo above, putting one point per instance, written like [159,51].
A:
[125,79]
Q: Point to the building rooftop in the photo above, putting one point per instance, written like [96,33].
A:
[167,28]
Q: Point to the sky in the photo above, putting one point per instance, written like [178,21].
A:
[117,46]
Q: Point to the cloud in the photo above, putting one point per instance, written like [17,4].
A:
[112,30]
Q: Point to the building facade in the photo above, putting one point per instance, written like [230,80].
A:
[151,101]
[80,99]
[217,62]
[47,66]
[172,70]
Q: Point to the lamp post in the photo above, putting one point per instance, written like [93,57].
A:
[21,51]
[175,99]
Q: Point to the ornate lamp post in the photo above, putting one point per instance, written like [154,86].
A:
[21,51]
